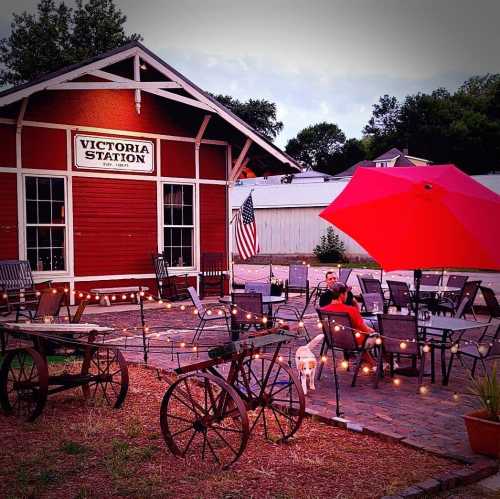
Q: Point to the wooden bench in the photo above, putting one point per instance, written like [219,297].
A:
[105,292]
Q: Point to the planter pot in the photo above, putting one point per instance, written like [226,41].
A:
[484,434]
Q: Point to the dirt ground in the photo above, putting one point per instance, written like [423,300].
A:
[77,449]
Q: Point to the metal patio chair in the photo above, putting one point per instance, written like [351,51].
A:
[291,313]
[344,275]
[247,311]
[491,302]
[212,273]
[400,295]
[450,305]
[340,336]
[297,280]
[373,303]
[206,314]
[486,348]
[361,283]
[49,305]
[264,288]
[373,286]
[400,337]
[169,287]
[430,279]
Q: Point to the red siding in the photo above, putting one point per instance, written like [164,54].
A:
[213,162]
[43,148]
[114,225]
[128,137]
[8,141]
[8,216]
[114,109]
[177,159]
[213,222]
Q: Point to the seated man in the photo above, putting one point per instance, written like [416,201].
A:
[326,297]
[339,294]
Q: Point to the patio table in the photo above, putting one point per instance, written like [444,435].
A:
[443,328]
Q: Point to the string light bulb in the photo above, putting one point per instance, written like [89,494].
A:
[403,345]
[323,358]
[396,381]
[344,364]
[423,390]
[378,341]
[426,348]
[454,348]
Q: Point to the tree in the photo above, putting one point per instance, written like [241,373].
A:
[461,128]
[260,114]
[317,145]
[57,36]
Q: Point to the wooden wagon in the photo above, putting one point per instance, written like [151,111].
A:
[25,380]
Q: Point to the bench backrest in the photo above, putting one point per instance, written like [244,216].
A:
[16,274]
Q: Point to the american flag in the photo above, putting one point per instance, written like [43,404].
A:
[246,230]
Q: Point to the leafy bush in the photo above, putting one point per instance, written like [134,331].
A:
[331,248]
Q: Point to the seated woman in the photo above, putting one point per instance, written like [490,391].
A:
[339,294]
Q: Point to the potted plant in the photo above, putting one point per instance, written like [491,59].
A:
[483,426]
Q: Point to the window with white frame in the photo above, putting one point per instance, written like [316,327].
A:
[178,224]
[45,223]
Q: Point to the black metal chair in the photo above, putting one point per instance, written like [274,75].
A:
[344,275]
[430,279]
[399,335]
[340,335]
[486,348]
[297,280]
[491,302]
[373,286]
[456,281]
[19,290]
[246,311]
[290,313]
[400,295]
[206,314]
[450,305]
[264,288]
[169,287]
[361,281]
[212,273]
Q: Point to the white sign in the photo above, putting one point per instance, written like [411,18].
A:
[111,153]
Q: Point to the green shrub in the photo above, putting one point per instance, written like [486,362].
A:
[331,248]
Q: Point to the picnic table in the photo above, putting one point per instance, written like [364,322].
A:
[104,293]
[25,381]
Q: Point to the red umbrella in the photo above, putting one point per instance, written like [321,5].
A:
[420,217]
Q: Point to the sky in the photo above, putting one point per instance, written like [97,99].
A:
[323,60]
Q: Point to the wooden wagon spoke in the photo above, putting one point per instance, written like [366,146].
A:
[182,431]
[188,445]
[213,452]
[191,398]
[225,428]
[190,407]
[278,422]
[178,417]
[284,414]
[224,440]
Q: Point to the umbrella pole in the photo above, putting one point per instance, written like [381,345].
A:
[417,274]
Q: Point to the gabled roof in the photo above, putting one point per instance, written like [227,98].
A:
[390,154]
[204,100]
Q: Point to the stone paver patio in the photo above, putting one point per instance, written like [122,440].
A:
[431,420]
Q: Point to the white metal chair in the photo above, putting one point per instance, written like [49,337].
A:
[206,314]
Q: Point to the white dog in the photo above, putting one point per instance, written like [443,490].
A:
[306,363]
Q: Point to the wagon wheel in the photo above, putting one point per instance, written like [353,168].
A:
[24,382]
[108,374]
[279,403]
[203,415]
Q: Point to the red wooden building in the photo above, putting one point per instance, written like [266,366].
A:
[106,162]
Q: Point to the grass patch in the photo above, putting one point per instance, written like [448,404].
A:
[73,448]
[133,428]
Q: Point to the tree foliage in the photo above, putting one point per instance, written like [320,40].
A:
[260,114]
[461,128]
[57,36]
[324,147]
[316,145]
[331,248]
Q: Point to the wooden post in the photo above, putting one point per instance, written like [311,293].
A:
[143,324]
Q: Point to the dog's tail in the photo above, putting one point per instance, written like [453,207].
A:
[315,341]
